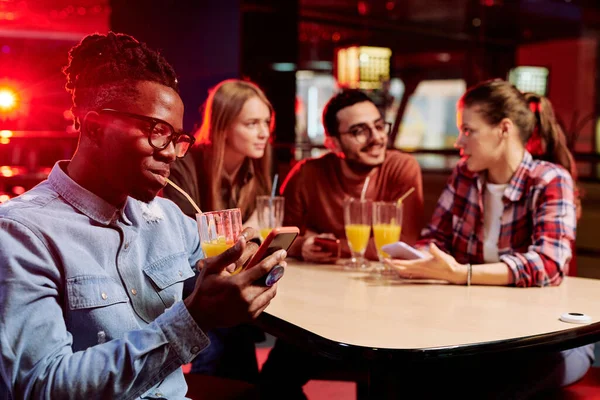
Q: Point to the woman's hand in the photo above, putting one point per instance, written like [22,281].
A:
[437,265]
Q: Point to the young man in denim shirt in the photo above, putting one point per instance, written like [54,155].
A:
[93,265]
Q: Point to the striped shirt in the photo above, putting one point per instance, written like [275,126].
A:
[537,225]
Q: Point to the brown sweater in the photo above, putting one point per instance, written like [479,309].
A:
[315,190]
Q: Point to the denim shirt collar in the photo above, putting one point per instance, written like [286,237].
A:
[82,199]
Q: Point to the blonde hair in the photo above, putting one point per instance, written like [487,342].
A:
[224,103]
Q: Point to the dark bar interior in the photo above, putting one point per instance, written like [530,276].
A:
[416,61]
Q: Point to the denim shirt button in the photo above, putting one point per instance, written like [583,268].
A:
[104,296]
[126,245]
[158,394]
[180,273]
[133,291]
[195,349]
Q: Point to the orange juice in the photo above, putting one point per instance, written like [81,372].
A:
[264,232]
[358,236]
[215,248]
[385,234]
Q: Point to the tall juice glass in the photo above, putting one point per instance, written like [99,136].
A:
[387,227]
[357,224]
[269,211]
[219,230]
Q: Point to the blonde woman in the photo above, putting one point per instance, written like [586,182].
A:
[228,168]
[230,164]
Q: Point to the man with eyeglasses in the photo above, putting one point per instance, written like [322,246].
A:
[315,189]
[314,192]
[93,264]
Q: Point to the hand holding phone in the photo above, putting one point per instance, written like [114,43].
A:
[238,294]
[329,245]
[279,239]
[403,251]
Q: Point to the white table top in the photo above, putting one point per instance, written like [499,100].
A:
[353,308]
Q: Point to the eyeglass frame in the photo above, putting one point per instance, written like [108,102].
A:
[173,137]
[365,127]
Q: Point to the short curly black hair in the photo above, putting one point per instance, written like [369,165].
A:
[104,68]
[344,99]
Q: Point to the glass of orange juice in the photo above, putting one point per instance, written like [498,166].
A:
[269,211]
[219,230]
[357,224]
[387,226]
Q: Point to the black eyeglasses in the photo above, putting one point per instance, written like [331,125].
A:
[160,133]
[363,132]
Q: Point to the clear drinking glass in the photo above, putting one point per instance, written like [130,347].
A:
[387,227]
[269,211]
[357,224]
[219,230]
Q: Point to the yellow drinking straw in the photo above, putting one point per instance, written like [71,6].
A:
[401,199]
[405,195]
[187,196]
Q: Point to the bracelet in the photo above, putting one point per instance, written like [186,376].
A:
[469,273]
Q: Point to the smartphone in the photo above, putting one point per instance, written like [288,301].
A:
[402,251]
[279,239]
[329,245]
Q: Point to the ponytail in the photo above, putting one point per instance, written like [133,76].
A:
[548,141]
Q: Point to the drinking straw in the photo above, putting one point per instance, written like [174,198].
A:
[363,193]
[187,196]
[274,187]
[405,195]
[273,192]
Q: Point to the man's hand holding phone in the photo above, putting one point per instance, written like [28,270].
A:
[221,299]
[279,238]
[323,248]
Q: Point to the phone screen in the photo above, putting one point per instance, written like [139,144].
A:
[283,241]
[279,241]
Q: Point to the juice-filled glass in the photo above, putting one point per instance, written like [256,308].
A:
[387,227]
[269,211]
[357,224]
[219,230]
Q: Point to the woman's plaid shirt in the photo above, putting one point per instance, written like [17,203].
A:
[537,226]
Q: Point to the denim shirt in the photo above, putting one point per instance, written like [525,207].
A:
[91,296]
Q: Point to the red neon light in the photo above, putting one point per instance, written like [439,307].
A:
[8,99]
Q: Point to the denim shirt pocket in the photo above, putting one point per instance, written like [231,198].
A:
[168,276]
[99,310]
[92,291]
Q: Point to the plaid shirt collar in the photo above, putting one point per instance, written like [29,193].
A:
[516,187]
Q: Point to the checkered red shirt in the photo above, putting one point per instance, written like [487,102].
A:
[537,226]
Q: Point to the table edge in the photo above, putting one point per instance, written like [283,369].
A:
[551,341]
